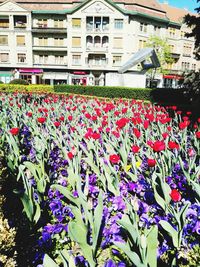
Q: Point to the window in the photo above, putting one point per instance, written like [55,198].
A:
[119,24]
[21,58]
[172,32]
[194,66]
[58,23]
[187,49]
[76,41]
[143,27]
[117,42]
[43,59]
[171,48]
[58,41]
[3,39]
[157,30]
[4,57]
[42,23]
[59,60]
[76,59]
[185,65]
[182,34]
[117,60]
[4,22]
[76,23]
[20,40]
[43,41]
[142,44]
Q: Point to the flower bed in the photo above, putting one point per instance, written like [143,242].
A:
[104,183]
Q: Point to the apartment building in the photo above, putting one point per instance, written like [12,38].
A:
[86,42]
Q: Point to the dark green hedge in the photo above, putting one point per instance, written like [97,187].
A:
[106,91]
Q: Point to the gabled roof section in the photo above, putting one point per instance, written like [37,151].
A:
[10,5]
[107,1]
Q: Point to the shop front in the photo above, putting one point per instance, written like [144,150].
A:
[32,76]
[79,78]
[54,78]
[6,77]
[171,81]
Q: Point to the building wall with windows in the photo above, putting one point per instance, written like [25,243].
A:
[72,41]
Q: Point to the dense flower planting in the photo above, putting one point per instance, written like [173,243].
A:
[109,183]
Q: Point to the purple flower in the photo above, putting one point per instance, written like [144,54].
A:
[110,263]
[118,203]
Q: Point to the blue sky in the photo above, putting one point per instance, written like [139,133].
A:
[189,4]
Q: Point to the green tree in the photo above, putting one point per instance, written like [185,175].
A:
[163,51]
[194,23]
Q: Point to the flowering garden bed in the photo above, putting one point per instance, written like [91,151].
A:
[104,183]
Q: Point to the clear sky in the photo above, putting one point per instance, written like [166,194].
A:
[189,4]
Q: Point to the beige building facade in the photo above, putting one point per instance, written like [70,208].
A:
[86,42]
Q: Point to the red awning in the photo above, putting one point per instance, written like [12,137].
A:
[79,72]
[26,70]
[175,77]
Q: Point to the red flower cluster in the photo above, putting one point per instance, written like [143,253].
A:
[121,123]
[158,146]
[173,145]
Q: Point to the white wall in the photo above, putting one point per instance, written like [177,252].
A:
[130,79]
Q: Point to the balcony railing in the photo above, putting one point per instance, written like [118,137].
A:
[91,48]
[49,30]
[97,30]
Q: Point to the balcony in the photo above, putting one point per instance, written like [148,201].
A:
[97,49]
[49,48]
[46,29]
[96,61]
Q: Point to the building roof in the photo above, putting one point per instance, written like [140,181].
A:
[146,8]
[175,14]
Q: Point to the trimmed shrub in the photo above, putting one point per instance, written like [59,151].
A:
[11,88]
[1,82]
[106,91]
[19,81]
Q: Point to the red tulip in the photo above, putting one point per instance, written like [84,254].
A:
[135,149]
[114,158]
[62,118]
[173,145]
[70,155]
[197,134]
[56,124]
[14,131]
[175,195]
[151,162]
[41,120]
[158,146]
[29,114]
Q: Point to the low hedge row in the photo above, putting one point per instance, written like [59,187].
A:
[105,91]
[25,88]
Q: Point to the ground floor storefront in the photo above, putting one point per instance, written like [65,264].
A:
[89,77]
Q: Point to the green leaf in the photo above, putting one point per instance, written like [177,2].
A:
[28,206]
[97,220]
[68,260]
[152,244]
[173,233]
[48,262]
[131,254]
[78,233]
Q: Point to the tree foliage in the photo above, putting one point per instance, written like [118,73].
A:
[194,23]
[163,51]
